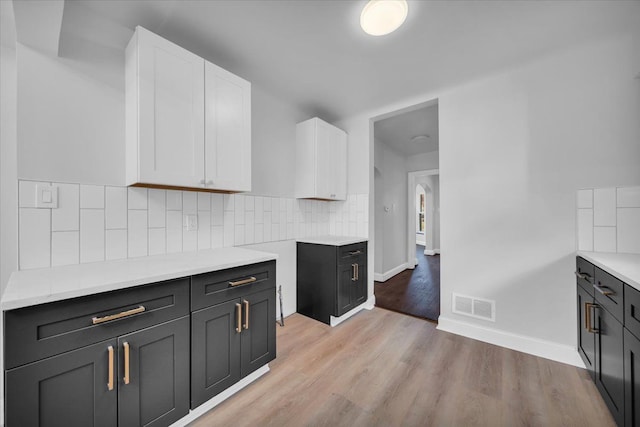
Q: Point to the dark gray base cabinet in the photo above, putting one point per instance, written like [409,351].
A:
[331,280]
[631,379]
[233,338]
[72,389]
[586,337]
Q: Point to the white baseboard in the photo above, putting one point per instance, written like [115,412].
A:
[389,274]
[335,321]
[215,401]
[431,251]
[537,347]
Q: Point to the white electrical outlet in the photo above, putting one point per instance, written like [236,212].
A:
[46,196]
[191,222]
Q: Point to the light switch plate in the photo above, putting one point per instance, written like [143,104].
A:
[46,196]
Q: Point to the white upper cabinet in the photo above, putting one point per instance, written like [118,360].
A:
[321,161]
[227,130]
[188,121]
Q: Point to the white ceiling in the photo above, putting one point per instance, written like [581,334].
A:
[314,55]
[397,131]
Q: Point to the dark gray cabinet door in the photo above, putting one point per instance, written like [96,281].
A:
[586,339]
[345,289]
[258,338]
[360,288]
[609,362]
[157,393]
[68,390]
[631,379]
[215,350]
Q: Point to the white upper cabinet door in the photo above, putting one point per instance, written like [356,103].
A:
[227,130]
[165,113]
[321,161]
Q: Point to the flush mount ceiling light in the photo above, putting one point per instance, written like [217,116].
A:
[380,17]
[419,139]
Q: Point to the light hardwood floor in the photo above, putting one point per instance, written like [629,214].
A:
[381,368]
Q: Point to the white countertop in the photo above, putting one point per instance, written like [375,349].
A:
[625,267]
[332,240]
[31,287]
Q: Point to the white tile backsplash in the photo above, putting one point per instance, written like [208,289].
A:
[137,198]
[35,238]
[613,225]
[116,208]
[628,197]
[585,199]
[119,222]
[92,232]
[65,248]
[157,208]
[92,197]
[604,239]
[67,216]
[137,233]
[604,207]
[628,230]
[115,244]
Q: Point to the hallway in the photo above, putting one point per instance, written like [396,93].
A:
[415,292]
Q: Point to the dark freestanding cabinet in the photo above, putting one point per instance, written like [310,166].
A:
[331,280]
[235,333]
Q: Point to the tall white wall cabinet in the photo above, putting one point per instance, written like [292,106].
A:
[321,161]
[188,120]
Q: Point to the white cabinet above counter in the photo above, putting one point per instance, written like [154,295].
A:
[188,121]
[321,161]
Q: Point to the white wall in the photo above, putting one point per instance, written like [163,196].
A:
[8,147]
[73,130]
[420,236]
[394,198]
[425,161]
[514,148]
[433,210]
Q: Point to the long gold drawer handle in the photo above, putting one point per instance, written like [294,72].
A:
[109,317]
[243,281]
[246,314]
[110,382]
[238,317]
[125,345]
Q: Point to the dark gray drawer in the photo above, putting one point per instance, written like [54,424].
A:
[40,331]
[609,293]
[351,253]
[208,289]
[585,272]
[632,310]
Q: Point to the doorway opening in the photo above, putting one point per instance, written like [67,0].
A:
[406,211]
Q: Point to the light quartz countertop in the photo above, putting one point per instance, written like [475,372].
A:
[31,287]
[332,240]
[625,267]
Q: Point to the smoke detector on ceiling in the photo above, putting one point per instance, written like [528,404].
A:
[420,139]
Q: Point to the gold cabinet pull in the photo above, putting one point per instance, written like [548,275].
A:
[353,272]
[110,381]
[587,318]
[583,276]
[238,317]
[604,290]
[125,345]
[246,314]
[358,252]
[243,281]
[357,272]
[109,317]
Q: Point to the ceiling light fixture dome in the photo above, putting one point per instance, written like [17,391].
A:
[419,139]
[380,17]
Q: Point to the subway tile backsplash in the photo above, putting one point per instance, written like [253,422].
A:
[95,223]
[608,220]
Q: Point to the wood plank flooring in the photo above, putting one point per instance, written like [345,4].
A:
[382,368]
[415,292]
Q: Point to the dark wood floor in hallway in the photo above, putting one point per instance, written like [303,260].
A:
[415,292]
[382,368]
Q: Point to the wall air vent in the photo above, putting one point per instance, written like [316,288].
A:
[479,308]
